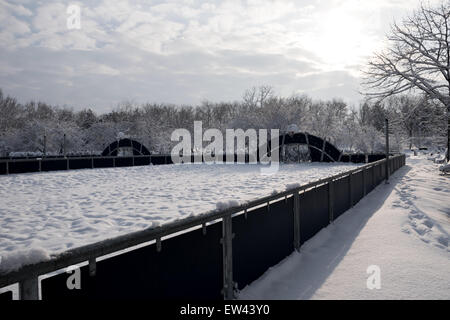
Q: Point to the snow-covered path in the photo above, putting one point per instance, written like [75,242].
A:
[403,228]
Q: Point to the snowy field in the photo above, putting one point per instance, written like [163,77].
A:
[43,213]
[403,228]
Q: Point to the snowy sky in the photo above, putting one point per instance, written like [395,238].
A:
[184,52]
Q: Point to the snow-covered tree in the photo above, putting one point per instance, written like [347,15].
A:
[418,58]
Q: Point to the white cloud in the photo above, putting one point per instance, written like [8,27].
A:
[187,51]
[16,9]
[10,25]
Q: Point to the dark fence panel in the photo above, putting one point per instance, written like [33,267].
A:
[314,213]
[142,161]
[103,163]
[361,158]
[358,158]
[262,240]
[158,159]
[53,165]
[376,170]
[2,167]
[124,161]
[55,288]
[80,163]
[370,179]
[373,178]
[379,171]
[6,296]
[22,167]
[340,196]
[382,172]
[392,165]
[376,157]
[357,187]
[168,159]
[189,266]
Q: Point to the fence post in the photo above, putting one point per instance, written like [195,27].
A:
[227,249]
[29,289]
[296,221]
[330,200]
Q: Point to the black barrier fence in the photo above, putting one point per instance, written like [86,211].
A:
[188,265]
[313,211]
[201,257]
[263,237]
[24,165]
[10,166]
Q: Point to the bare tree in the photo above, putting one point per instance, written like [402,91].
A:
[418,58]
[257,97]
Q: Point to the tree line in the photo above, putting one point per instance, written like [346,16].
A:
[34,126]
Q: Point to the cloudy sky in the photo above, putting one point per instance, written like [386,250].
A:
[184,52]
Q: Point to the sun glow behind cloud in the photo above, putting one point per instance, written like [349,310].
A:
[188,51]
[341,40]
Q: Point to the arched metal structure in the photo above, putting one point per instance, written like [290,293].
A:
[137,147]
[319,149]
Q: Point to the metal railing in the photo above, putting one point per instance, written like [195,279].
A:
[92,162]
[39,164]
[27,275]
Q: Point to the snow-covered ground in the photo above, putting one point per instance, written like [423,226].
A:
[43,213]
[401,228]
